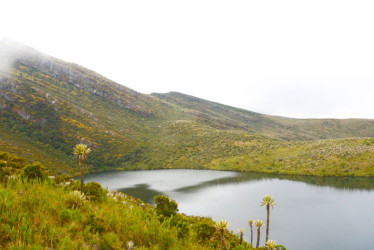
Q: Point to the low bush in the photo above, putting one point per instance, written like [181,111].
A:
[3,164]
[204,231]
[94,191]
[34,171]
[110,241]
[4,156]
[65,216]
[165,206]
[62,178]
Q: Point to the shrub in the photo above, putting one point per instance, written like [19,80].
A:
[3,164]
[96,225]
[4,156]
[4,172]
[165,206]
[16,162]
[34,171]
[94,191]
[62,178]
[204,231]
[110,241]
[65,216]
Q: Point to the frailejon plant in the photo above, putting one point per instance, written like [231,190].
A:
[81,151]
[241,234]
[258,224]
[75,199]
[221,227]
[267,201]
[45,214]
[250,222]
[270,245]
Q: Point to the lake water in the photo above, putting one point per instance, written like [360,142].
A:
[311,212]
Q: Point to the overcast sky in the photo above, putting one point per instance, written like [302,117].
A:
[289,58]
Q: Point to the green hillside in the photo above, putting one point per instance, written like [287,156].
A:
[47,106]
[227,117]
[39,212]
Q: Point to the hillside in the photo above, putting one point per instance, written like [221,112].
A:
[273,126]
[37,212]
[48,105]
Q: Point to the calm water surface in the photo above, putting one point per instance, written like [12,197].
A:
[311,212]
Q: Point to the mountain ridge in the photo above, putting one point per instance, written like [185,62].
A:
[49,105]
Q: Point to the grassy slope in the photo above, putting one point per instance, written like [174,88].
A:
[272,126]
[47,106]
[31,218]
[39,215]
[339,157]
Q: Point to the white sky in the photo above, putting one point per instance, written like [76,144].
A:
[289,58]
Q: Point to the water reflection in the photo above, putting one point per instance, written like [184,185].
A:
[325,212]
[146,192]
[142,191]
[344,183]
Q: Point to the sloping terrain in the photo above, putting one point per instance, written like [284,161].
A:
[274,126]
[47,106]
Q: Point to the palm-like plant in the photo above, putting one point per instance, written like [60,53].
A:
[221,227]
[270,245]
[81,151]
[250,222]
[130,245]
[75,199]
[258,224]
[267,201]
[241,234]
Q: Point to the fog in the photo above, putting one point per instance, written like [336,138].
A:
[289,58]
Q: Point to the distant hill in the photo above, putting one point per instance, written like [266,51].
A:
[274,126]
[48,105]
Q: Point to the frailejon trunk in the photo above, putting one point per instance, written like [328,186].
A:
[5,181]
[267,223]
[241,238]
[258,237]
[251,236]
[223,241]
[81,166]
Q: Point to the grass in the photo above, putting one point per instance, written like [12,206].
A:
[51,213]
[339,157]
[47,106]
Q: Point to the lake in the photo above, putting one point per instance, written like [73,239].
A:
[310,212]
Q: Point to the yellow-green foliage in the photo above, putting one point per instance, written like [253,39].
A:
[39,214]
[42,117]
[340,157]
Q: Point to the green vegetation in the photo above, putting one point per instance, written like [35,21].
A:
[81,151]
[267,201]
[221,227]
[39,213]
[339,157]
[258,224]
[270,244]
[250,223]
[34,171]
[47,106]
[241,235]
[164,206]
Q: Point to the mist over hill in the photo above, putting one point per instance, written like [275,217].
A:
[48,105]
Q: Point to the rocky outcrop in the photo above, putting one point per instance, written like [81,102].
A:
[78,76]
[24,114]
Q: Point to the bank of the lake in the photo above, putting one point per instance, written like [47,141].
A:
[38,211]
[311,212]
[337,157]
